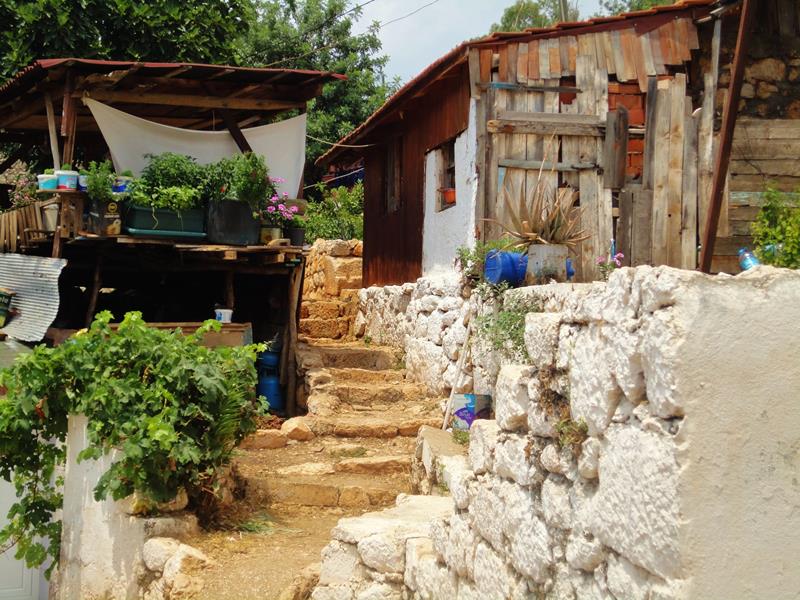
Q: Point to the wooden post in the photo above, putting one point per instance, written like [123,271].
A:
[726,135]
[96,282]
[615,150]
[295,283]
[230,297]
[62,206]
[51,127]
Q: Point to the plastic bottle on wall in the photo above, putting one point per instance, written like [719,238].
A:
[747,260]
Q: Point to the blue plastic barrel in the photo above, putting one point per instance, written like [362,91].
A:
[506,267]
[269,359]
[269,386]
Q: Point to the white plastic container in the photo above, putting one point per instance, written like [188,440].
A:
[47,182]
[50,216]
[223,315]
[67,180]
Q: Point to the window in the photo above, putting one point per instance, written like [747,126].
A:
[446,176]
[393,174]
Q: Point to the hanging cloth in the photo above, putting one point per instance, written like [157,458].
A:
[130,138]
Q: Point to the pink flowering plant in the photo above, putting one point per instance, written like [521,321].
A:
[607,264]
[277,212]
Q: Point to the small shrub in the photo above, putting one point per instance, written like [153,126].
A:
[338,216]
[100,179]
[461,437]
[173,409]
[571,433]
[504,328]
[776,231]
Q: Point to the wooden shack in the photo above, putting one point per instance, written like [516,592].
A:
[626,109]
[170,281]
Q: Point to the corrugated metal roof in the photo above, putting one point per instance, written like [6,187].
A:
[35,281]
[459,53]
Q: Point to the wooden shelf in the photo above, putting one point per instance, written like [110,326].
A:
[77,193]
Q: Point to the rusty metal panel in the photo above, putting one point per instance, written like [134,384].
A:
[393,240]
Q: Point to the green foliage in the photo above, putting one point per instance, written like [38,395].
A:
[776,231]
[205,31]
[250,179]
[338,216]
[534,13]
[316,34]
[571,433]
[169,180]
[615,7]
[174,411]
[504,327]
[100,181]
[461,437]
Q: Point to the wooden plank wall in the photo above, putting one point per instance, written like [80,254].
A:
[527,95]
[765,153]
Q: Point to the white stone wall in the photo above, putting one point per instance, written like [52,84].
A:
[685,485]
[446,230]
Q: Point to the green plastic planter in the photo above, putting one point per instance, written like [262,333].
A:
[163,222]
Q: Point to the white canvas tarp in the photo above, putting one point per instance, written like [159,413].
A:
[130,138]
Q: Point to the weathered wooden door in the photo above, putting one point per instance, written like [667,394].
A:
[17,582]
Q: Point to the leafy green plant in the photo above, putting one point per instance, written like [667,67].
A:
[100,181]
[173,409]
[776,231]
[66,167]
[250,180]
[471,261]
[571,433]
[49,171]
[504,327]
[171,181]
[338,216]
[127,173]
[461,437]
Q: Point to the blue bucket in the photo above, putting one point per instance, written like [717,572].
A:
[506,267]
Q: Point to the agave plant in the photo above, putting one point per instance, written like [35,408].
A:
[542,216]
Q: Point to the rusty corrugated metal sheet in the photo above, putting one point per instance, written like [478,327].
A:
[35,281]
[393,241]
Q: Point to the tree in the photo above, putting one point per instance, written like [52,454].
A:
[157,30]
[535,13]
[318,35]
[615,7]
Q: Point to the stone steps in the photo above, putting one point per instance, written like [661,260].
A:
[344,355]
[372,424]
[355,375]
[370,394]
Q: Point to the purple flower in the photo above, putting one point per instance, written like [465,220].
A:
[293,209]
[282,207]
[277,180]
[270,209]
[601,260]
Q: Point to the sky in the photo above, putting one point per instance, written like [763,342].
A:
[415,42]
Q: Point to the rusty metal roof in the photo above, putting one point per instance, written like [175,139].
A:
[459,54]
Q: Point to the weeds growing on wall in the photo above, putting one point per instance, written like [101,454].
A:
[504,327]
[338,216]
[471,260]
[776,231]
[173,410]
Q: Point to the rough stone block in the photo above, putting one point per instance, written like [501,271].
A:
[383,551]
[530,549]
[265,439]
[625,580]
[379,591]
[482,441]
[635,510]
[417,549]
[584,551]
[589,458]
[512,459]
[178,567]
[156,551]
[462,542]
[296,428]
[494,578]
[486,512]
[516,503]
[556,504]
[541,338]
[340,564]
[333,592]
[511,397]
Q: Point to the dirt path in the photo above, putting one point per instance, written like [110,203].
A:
[260,559]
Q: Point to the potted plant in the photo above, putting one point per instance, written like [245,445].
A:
[122,181]
[545,224]
[238,189]
[166,201]
[104,212]
[48,180]
[295,230]
[275,218]
[67,178]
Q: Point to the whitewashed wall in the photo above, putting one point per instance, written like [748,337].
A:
[446,230]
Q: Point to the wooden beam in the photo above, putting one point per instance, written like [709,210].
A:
[51,127]
[543,128]
[236,133]
[726,135]
[545,165]
[615,149]
[522,87]
[230,296]
[295,290]
[193,101]
[545,117]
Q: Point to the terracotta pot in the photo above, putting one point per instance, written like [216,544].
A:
[449,195]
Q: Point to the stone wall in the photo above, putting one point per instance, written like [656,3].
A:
[110,553]
[330,288]
[647,450]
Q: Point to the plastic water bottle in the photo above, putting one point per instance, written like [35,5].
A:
[747,259]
